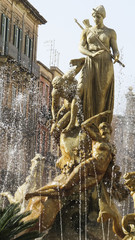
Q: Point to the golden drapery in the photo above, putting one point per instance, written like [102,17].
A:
[97,78]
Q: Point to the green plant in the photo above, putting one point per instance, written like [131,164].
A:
[12,224]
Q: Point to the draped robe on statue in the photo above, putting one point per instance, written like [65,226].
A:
[97,78]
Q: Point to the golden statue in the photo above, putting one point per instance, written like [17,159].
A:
[95,88]
[96,82]
[87,154]
[65,87]
[90,170]
[101,155]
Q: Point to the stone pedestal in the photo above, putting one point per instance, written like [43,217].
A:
[78,220]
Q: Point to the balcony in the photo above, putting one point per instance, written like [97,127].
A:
[8,50]
[35,69]
[25,62]
[12,51]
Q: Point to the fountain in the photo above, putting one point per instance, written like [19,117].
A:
[80,203]
[33,181]
[17,124]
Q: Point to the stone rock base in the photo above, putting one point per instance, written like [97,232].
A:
[78,221]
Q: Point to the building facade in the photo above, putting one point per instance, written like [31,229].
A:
[19,32]
[124,139]
[45,143]
[19,73]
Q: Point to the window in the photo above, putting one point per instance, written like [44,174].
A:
[31,49]
[17,40]
[5,27]
[16,33]
[28,47]
[20,40]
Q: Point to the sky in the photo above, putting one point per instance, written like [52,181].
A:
[62,34]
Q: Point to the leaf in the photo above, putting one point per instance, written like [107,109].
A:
[14,221]
[11,224]
[13,208]
[29,236]
[23,226]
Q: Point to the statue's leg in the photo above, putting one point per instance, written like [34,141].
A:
[80,172]
[84,171]
[62,123]
[45,209]
[108,210]
[74,108]
[43,193]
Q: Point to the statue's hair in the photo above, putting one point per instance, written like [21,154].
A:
[56,81]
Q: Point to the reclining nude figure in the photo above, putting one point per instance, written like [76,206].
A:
[92,169]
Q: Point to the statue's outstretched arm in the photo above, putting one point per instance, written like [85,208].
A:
[114,46]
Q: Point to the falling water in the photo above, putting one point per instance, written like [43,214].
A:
[110,193]
[15,125]
[60,212]
[98,191]
[86,207]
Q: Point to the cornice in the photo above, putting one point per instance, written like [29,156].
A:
[32,10]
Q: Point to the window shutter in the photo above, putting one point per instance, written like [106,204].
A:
[27,42]
[16,33]
[31,49]
[19,44]
[3,31]
[30,53]
[7,34]
[20,40]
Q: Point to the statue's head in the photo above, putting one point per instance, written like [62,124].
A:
[98,15]
[56,82]
[100,10]
[105,129]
